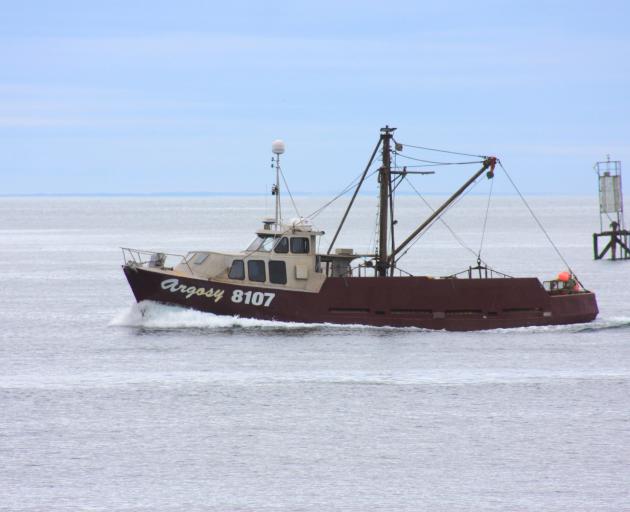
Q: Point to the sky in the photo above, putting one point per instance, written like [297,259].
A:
[187,96]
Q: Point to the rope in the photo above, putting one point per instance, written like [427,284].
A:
[485,221]
[344,191]
[555,248]
[417,166]
[289,191]
[455,236]
[442,150]
[372,246]
[438,163]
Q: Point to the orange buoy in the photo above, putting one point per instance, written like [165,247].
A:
[564,276]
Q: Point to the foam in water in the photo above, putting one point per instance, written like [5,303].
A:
[161,316]
[153,315]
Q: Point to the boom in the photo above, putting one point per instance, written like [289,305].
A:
[488,163]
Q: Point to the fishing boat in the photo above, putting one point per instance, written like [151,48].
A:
[281,276]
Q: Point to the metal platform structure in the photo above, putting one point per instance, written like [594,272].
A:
[615,239]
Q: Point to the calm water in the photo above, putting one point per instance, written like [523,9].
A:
[102,408]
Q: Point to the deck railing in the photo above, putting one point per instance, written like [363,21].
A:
[479,271]
[142,258]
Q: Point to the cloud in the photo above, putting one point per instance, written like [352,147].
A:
[431,51]
[38,122]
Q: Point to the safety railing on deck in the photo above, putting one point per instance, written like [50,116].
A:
[152,259]
[479,271]
[364,270]
[557,287]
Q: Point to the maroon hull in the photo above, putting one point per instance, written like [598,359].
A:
[451,304]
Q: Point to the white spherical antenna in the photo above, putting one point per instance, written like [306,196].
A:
[277,147]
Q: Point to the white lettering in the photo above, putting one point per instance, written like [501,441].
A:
[257,298]
[170,284]
[253,298]
[174,286]
[269,297]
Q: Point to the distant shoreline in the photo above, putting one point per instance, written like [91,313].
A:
[252,194]
[138,194]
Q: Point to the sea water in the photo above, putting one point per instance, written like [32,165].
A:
[107,405]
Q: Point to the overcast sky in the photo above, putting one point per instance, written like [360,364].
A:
[186,96]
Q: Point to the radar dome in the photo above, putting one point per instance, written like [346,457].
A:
[277,146]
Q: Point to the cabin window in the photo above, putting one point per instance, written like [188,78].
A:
[237,270]
[299,245]
[277,272]
[282,246]
[261,243]
[256,270]
[267,244]
[200,258]
[255,244]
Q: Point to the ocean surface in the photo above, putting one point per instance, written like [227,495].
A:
[106,405]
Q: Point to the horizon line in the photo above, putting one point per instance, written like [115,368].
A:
[249,194]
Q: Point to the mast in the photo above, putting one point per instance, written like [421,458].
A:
[277,147]
[278,211]
[385,187]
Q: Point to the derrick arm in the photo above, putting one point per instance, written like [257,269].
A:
[489,163]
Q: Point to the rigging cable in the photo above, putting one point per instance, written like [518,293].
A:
[485,222]
[555,248]
[423,165]
[437,163]
[441,150]
[372,246]
[455,236]
[420,235]
[290,195]
[344,191]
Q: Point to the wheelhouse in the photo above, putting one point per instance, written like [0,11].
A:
[282,256]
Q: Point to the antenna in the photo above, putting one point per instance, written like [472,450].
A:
[277,148]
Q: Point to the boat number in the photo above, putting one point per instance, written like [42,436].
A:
[253,298]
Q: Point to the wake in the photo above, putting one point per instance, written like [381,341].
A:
[152,315]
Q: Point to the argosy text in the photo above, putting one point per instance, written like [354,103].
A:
[173,285]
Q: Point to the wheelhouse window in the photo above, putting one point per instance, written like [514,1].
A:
[299,245]
[237,270]
[277,272]
[262,244]
[256,270]
[282,245]
[200,258]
